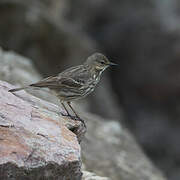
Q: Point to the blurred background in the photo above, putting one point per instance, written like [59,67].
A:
[143,37]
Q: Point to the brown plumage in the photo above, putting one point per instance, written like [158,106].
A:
[75,82]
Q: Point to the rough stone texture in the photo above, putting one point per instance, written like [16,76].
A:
[35,142]
[110,150]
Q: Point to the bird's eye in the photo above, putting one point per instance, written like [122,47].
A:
[102,62]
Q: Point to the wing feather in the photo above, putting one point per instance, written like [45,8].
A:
[57,83]
[74,77]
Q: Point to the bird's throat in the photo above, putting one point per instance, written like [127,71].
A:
[97,73]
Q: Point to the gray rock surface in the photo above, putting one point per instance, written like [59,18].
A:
[20,71]
[110,150]
[16,69]
[35,142]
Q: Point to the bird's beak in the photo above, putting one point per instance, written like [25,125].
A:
[113,64]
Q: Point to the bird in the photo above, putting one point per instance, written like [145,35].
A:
[75,82]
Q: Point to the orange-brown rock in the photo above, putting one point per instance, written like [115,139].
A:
[35,142]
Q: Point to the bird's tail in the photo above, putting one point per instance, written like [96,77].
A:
[18,89]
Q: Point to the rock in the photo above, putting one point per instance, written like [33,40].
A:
[110,150]
[16,69]
[20,71]
[35,142]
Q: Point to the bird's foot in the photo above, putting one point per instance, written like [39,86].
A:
[76,118]
[69,115]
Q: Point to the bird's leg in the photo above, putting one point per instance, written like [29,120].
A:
[73,110]
[65,110]
[76,113]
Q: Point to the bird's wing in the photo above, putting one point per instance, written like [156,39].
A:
[74,77]
[47,82]
[57,83]
[70,83]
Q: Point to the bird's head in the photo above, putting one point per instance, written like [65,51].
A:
[98,62]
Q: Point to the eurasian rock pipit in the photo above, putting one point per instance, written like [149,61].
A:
[75,82]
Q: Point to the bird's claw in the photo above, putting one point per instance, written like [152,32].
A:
[75,118]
